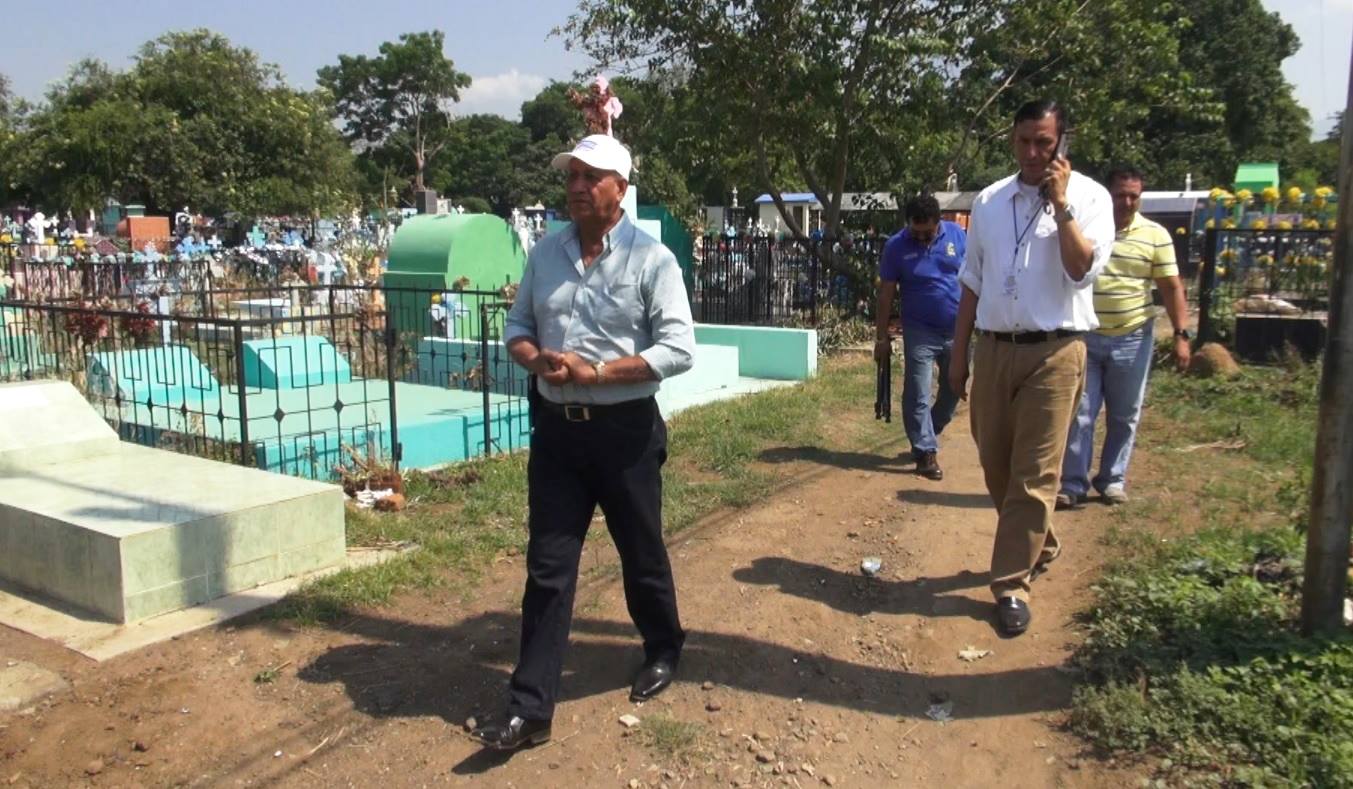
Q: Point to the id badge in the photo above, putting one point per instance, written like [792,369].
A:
[1011,285]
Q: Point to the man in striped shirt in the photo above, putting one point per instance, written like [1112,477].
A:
[1118,353]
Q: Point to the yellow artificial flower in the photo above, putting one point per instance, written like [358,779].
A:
[1270,194]
[1228,201]
[1295,194]
[1333,224]
[1258,224]
[1211,223]
[1229,224]
[1228,255]
[5,238]
[1311,224]
[79,243]
[1216,194]
[1264,260]
[1244,195]
[1284,224]
[1181,230]
[1318,201]
[1323,191]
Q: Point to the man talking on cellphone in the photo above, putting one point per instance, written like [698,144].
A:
[1036,242]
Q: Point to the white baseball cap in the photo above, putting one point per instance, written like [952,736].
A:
[601,151]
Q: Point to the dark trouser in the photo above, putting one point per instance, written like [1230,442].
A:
[615,460]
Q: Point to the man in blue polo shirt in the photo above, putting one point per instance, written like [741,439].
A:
[922,261]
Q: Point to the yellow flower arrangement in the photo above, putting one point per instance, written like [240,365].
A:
[1258,224]
[1311,224]
[1318,202]
[1270,194]
[1229,224]
[1284,224]
[6,238]
[1324,191]
[1217,193]
[1244,195]
[1211,223]
[79,243]
[1228,201]
[1295,194]
[1181,230]
[1332,224]
[1228,255]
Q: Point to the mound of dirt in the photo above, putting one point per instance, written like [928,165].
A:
[1213,360]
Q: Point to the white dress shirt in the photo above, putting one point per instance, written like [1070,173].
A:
[1014,262]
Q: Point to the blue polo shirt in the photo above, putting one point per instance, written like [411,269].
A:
[926,277]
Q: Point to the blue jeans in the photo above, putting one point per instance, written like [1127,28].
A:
[1115,376]
[923,349]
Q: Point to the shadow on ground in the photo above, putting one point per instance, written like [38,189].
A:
[855,594]
[413,670]
[862,461]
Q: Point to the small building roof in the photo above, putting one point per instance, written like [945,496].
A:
[1256,176]
[1162,202]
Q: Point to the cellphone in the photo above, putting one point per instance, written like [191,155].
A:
[1063,142]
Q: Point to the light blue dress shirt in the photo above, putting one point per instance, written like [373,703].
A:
[630,301]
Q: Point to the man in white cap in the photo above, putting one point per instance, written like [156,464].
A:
[600,319]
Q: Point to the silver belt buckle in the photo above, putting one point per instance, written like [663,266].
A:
[577,413]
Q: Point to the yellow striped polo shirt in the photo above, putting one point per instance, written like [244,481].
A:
[1142,253]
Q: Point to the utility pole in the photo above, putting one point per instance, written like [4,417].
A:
[1327,536]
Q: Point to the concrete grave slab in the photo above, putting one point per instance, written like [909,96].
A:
[95,638]
[44,422]
[128,532]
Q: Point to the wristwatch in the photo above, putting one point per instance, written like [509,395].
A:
[1183,334]
[600,368]
[1067,214]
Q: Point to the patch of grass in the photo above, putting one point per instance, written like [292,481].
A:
[1192,651]
[464,516]
[669,737]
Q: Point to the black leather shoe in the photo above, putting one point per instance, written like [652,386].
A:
[928,466]
[653,679]
[513,734]
[1012,614]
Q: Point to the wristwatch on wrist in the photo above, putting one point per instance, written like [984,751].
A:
[600,368]
[1065,214]
[1183,334]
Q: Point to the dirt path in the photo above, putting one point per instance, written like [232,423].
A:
[798,670]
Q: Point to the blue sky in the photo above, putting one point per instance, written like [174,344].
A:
[503,44]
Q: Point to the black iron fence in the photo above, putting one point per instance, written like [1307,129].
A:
[299,379]
[1265,290]
[759,280]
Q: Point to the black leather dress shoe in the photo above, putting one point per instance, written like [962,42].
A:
[512,734]
[928,465]
[1012,614]
[653,679]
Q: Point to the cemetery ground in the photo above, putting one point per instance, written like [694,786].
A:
[1162,648]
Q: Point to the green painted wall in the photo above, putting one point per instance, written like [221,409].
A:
[766,352]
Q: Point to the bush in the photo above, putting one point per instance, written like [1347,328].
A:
[1193,653]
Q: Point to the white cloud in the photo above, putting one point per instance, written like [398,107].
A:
[500,94]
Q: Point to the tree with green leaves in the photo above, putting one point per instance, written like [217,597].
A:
[196,121]
[401,98]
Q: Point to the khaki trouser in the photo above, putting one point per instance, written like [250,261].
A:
[1023,400]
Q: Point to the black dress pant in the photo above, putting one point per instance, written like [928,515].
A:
[613,460]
